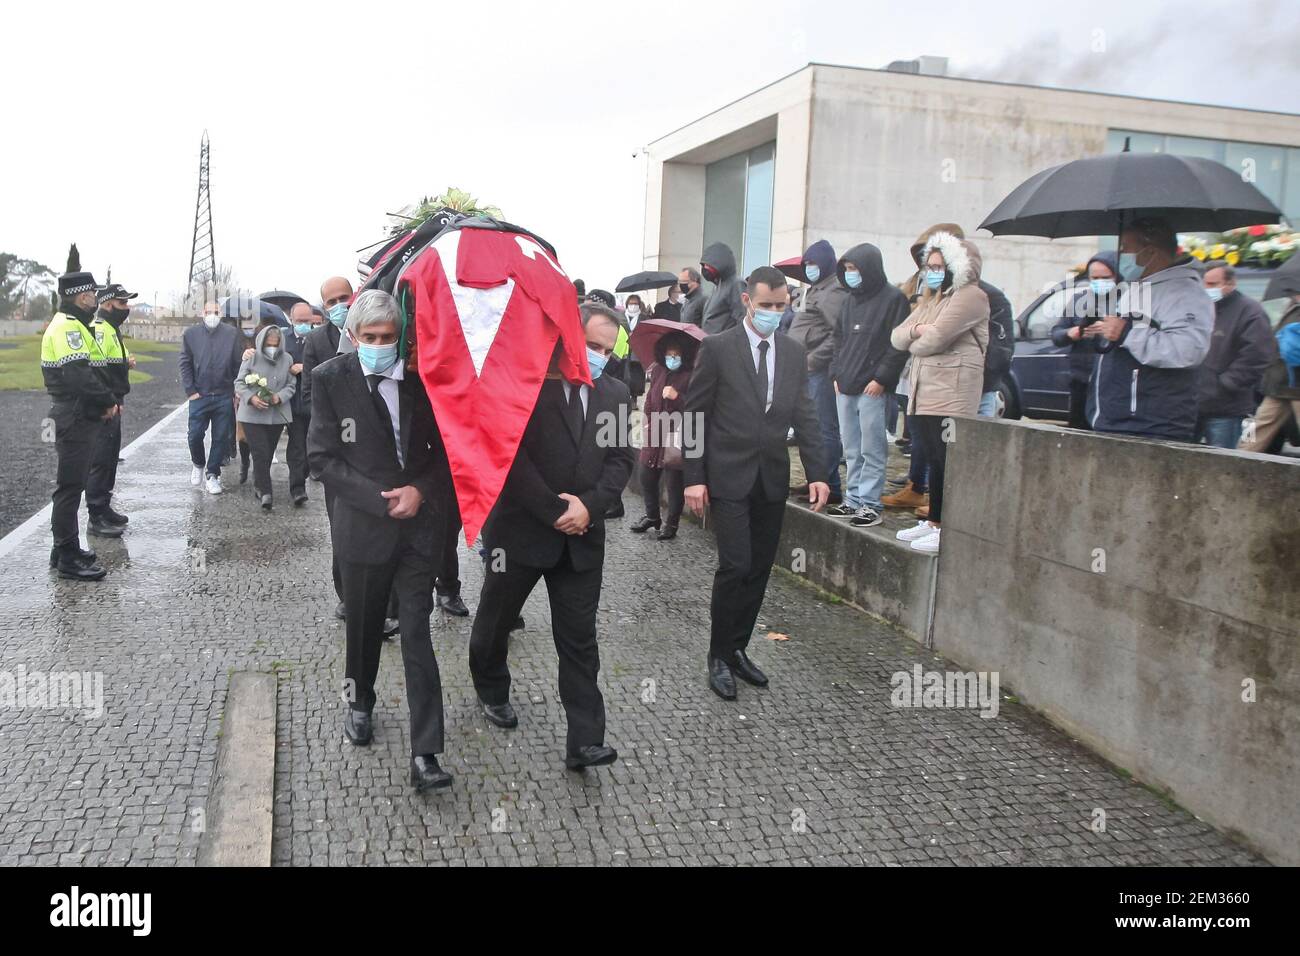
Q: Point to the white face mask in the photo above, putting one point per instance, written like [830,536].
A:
[272,351]
[633,311]
[212,321]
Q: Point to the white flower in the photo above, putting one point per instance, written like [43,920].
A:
[250,378]
[261,380]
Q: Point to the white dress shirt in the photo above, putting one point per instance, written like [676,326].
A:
[388,391]
[754,339]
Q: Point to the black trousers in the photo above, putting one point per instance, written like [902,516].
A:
[929,432]
[366,590]
[1079,405]
[102,478]
[574,597]
[334,555]
[449,567]
[75,440]
[748,533]
[296,451]
[262,440]
[671,478]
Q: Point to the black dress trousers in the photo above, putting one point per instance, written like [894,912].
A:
[748,533]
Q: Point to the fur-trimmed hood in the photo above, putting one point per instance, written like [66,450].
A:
[961,256]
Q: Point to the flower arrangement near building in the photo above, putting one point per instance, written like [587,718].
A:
[1263,247]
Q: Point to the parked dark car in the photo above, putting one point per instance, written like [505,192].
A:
[1038,384]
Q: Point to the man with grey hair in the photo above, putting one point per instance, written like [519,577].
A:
[374,444]
[1241,350]
[688,281]
[550,523]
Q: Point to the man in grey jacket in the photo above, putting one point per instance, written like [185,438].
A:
[814,328]
[1144,384]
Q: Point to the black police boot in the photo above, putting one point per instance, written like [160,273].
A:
[74,568]
[114,517]
[86,557]
[101,526]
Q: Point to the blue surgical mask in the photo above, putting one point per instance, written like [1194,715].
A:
[339,314]
[1214,294]
[934,278]
[852,279]
[1101,287]
[673,362]
[377,359]
[811,272]
[1129,270]
[303,329]
[765,322]
[596,362]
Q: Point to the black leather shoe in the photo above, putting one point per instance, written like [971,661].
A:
[72,567]
[503,715]
[299,498]
[747,670]
[391,626]
[341,612]
[266,502]
[113,517]
[668,533]
[427,775]
[721,680]
[358,728]
[84,556]
[101,527]
[593,755]
[645,524]
[453,605]
[518,625]
[615,510]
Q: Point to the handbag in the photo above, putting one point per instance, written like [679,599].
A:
[673,451]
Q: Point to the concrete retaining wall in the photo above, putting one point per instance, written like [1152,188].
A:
[1128,589]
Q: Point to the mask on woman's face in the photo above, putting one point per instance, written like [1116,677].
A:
[673,362]
[934,278]
[633,311]
[272,352]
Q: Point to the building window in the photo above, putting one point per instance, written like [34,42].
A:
[738,193]
[1276,169]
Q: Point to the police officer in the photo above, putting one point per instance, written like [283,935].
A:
[73,366]
[114,307]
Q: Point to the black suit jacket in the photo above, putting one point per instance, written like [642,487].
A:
[741,444]
[321,345]
[348,452]
[595,469]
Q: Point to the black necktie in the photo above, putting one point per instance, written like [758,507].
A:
[762,374]
[576,417]
[381,410]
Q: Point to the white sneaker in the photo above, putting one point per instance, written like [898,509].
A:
[929,544]
[196,476]
[923,529]
[214,485]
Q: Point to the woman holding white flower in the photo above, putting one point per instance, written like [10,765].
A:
[264,386]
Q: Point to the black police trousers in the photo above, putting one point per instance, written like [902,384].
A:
[75,439]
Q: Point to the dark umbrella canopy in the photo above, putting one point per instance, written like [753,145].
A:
[1286,281]
[281,299]
[643,281]
[1089,197]
[648,332]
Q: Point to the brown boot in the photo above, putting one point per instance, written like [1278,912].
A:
[905,497]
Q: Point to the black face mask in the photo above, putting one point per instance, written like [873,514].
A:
[710,273]
[685,287]
[114,317]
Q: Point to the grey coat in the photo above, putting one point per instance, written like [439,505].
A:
[278,379]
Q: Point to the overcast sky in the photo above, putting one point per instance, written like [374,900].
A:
[323,116]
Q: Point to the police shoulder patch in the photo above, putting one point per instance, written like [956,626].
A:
[74,340]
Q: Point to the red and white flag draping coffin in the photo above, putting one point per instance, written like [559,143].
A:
[489,308]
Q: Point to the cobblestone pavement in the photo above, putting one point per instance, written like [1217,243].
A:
[817,769]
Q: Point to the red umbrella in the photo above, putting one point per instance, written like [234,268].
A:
[648,332]
[793,268]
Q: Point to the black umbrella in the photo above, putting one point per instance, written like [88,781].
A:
[1286,281]
[281,299]
[1098,195]
[646,280]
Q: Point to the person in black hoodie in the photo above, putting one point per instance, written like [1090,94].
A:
[724,308]
[864,369]
[1089,302]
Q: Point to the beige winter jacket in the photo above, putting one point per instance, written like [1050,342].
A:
[947,375]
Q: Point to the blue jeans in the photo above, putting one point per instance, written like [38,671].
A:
[219,412]
[822,393]
[866,447]
[1219,432]
[988,405]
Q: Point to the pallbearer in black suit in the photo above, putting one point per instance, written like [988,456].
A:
[573,463]
[374,445]
[749,388]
